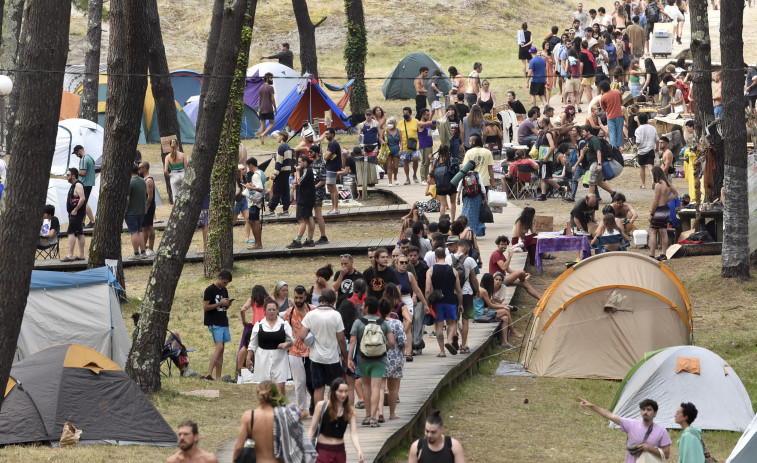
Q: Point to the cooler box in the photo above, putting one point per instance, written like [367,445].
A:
[661,42]
[640,238]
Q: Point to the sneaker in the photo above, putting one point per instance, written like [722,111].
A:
[269,214]
[143,255]
[407,182]
[415,178]
[423,183]
[284,214]
[309,243]
[390,184]
[322,240]
[149,252]
[541,198]
[579,109]
[90,225]
[294,245]
[396,182]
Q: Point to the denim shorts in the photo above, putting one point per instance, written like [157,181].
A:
[240,206]
[408,155]
[331,177]
[220,333]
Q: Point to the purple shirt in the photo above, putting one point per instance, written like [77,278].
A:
[635,429]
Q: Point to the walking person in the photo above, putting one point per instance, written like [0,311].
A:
[333,160]
[256,187]
[215,303]
[284,162]
[371,355]
[473,84]
[271,339]
[136,206]
[648,436]
[445,282]
[394,141]
[380,274]
[399,310]
[174,167]
[660,212]
[691,447]
[395,361]
[87,178]
[299,353]
[434,446]
[305,203]
[459,259]
[536,78]
[148,230]
[408,128]
[267,102]
[333,416]
[420,91]
[408,287]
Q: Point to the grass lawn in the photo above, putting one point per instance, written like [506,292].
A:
[539,419]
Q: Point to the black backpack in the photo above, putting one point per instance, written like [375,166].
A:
[443,179]
[653,13]
[458,263]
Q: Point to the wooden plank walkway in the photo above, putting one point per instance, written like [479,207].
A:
[266,252]
[427,377]
[346,213]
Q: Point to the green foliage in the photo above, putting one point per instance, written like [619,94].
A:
[83,7]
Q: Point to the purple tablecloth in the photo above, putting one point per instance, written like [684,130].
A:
[554,243]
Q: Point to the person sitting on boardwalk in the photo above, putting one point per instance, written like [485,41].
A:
[435,447]
[487,293]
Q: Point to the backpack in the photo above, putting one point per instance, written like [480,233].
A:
[471,187]
[612,54]
[458,263]
[575,69]
[653,13]
[373,341]
[684,89]
[443,179]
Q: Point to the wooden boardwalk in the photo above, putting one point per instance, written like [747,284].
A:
[266,252]
[346,213]
[427,377]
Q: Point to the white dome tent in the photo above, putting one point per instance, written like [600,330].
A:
[72,132]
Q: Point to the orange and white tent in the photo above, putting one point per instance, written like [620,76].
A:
[600,316]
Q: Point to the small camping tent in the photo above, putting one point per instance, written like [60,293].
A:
[250,121]
[306,102]
[284,80]
[400,85]
[149,130]
[80,308]
[70,382]
[72,132]
[600,316]
[70,106]
[186,83]
[686,374]
[74,76]
[746,447]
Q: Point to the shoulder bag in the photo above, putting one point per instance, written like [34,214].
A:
[412,143]
[707,457]
[485,215]
[248,451]
[317,432]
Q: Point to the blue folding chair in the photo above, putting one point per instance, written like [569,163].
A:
[610,243]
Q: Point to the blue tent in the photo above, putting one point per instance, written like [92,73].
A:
[306,102]
[43,279]
[186,83]
[250,120]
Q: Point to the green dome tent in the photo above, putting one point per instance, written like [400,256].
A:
[399,85]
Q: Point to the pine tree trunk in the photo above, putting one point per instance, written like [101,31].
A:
[223,49]
[92,61]
[46,37]
[735,257]
[162,89]
[127,84]
[13,12]
[2,11]
[355,54]
[219,253]
[306,29]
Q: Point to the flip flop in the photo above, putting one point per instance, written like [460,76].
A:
[441,355]
[381,419]
[67,259]
[452,350]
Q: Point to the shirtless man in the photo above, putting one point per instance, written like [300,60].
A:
[189,451]
[307,141]
[660,212]
[717,95]
[458,82]
[666,159]
[473,86]
[420,91]
[624,211]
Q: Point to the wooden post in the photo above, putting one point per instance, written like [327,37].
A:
[365,178]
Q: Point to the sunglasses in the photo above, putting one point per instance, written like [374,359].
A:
[402,262]
[346,256]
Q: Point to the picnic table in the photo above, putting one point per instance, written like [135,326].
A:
[555,242]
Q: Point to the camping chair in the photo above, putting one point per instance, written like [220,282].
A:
[174,352]
[610,243]
[525,186]
[51,251]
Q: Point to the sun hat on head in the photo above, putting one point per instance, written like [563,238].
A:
[533,50]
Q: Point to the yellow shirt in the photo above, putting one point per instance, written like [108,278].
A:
[483,159]
[408,129]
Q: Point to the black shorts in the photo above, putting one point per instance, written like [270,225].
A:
[537,89]
[304,211]
[87,191]
[752,100]
[545,170]
[323,374]
[266,116]
[149,216]
[253,214]
[75,225]
[646,159]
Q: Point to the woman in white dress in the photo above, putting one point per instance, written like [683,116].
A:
[271,339]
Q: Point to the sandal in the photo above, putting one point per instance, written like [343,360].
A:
[372,423]
[409,358]
[360,405]
[452,350]
[367,421]
[381,419]
[465,350]
[549,257]
[441,355]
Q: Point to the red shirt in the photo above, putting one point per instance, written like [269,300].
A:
[496,257]
[611,103]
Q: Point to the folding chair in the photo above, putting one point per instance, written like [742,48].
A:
[174,352]
[610,243]
[526,185]
[51,251]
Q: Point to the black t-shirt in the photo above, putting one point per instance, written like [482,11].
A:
[306,193]
[55,225]
[420,273]
[518,107]
[462,110]
[334,164]
[217,317]
[588,66]
[582,211]
[377,281]
[350,162]
[346,287]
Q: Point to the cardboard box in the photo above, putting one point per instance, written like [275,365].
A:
[543,223]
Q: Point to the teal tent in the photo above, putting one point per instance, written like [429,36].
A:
[400,83]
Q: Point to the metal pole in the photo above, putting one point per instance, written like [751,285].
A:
[2,122]
[366,165]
